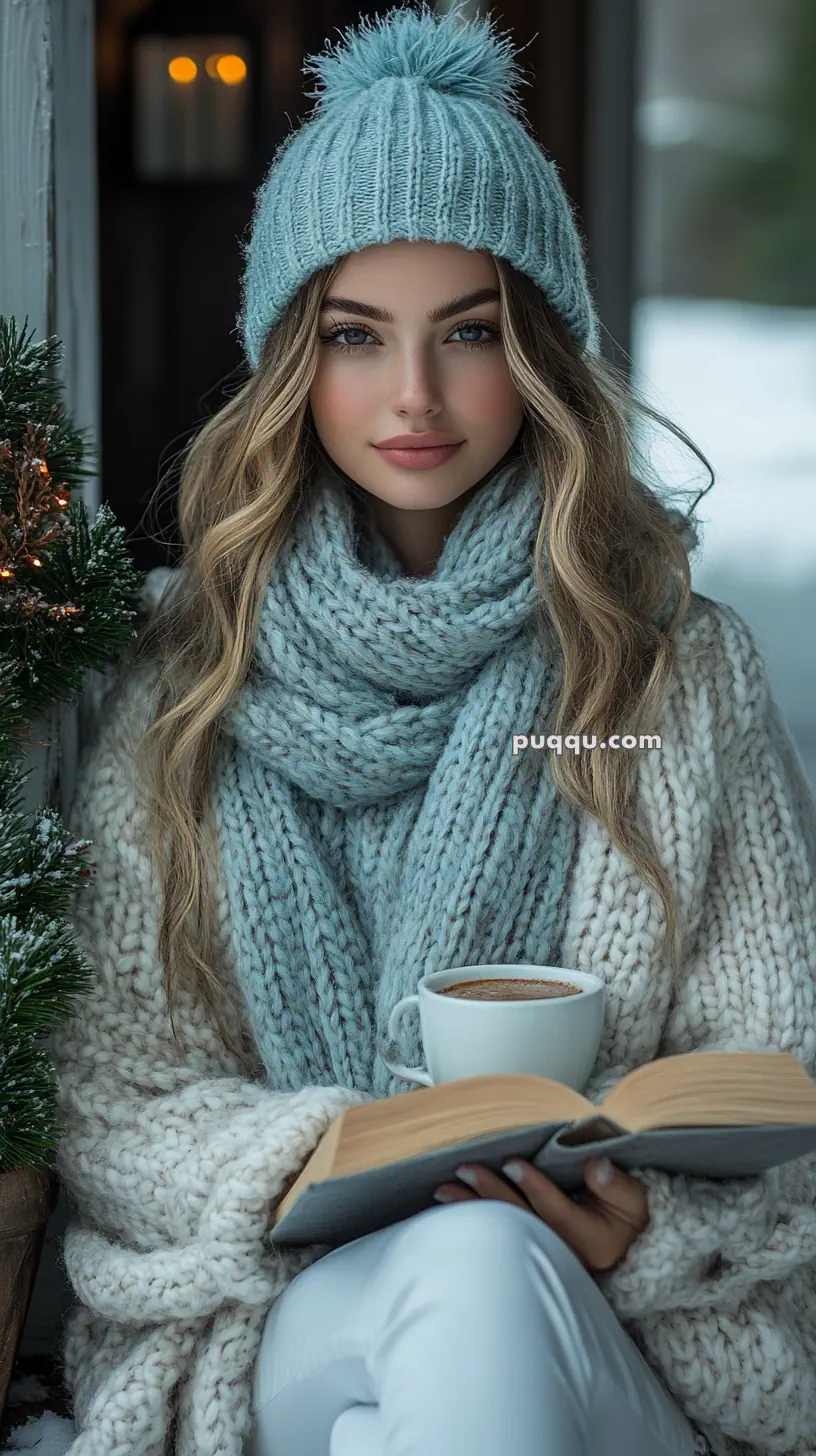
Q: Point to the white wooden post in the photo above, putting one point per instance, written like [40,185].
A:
[48,256]
[48,271]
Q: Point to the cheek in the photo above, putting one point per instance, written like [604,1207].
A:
[493,397]
[337,399]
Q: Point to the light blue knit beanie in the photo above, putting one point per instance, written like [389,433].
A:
[415,134]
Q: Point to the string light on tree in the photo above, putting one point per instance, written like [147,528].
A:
[68,595]
[55,573]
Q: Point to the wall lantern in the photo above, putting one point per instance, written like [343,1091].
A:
[194,84]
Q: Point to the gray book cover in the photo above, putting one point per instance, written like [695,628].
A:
[337,1210]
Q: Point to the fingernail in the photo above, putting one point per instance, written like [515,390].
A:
[603,1172]
[467,1176]
[444,1197]
[514,1171]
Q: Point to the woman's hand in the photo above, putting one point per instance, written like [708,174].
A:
[598,1227]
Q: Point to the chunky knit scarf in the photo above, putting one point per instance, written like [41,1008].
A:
[373,823]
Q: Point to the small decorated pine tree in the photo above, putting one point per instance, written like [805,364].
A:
[69,597]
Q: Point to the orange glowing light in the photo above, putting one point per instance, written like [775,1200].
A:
[182,69]
[231,70]
[35,561]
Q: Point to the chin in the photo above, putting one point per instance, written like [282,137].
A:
[421,494]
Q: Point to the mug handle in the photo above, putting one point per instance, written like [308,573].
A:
[412,1074]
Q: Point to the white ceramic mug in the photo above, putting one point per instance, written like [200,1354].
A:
[555,1036]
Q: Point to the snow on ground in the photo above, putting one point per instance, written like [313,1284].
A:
[740,379]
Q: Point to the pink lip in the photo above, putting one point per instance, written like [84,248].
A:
[420,458]
[416,441]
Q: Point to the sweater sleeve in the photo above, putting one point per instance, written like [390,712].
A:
[173,1160]
[720,1286]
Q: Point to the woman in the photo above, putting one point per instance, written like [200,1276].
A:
[302,798]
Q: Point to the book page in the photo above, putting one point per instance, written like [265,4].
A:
[711,1089]
[377,1133]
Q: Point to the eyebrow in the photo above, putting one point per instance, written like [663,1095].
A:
[436,315]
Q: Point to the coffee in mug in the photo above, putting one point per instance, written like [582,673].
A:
[476,1021]
[509,989]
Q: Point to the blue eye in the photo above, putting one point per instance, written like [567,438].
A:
[333,336]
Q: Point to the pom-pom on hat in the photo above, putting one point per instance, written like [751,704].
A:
[416,133]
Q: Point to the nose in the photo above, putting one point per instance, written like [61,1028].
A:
[415,386]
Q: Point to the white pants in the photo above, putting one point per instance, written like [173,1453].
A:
[470,1328]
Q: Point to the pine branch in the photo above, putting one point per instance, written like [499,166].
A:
[29,390]
[69,602]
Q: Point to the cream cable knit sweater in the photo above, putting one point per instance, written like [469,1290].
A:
[174,1168]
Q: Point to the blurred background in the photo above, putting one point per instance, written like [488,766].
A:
[685,135]
[724,301]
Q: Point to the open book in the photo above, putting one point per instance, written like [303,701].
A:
[712,1114]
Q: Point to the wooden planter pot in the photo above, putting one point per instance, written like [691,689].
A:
[28,1198]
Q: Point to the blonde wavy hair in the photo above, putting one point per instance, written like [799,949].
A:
[614,550]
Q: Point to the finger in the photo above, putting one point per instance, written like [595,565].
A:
[489,1185]
[454,1193]
[624,1197]
[566,1217]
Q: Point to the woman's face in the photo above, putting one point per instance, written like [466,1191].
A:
[412,374]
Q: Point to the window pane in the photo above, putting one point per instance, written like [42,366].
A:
[724,327]
[190,106]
